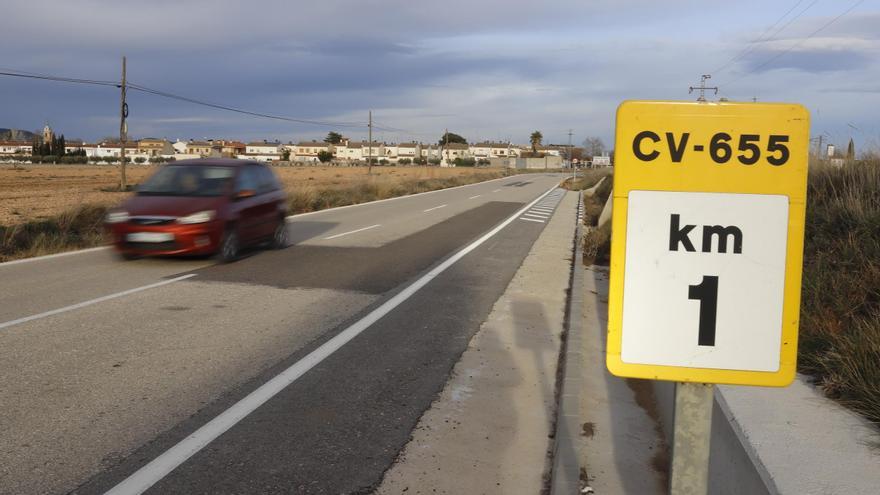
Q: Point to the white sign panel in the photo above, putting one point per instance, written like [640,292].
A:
[703,280]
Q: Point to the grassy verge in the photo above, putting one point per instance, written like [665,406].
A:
[597,240]
[78,228]
[81,227]
[304,199]
[840,308]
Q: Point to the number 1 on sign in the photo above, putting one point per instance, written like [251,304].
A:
[707,293]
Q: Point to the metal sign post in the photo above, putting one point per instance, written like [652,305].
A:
[691,438]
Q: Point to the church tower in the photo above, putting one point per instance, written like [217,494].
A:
[48,134]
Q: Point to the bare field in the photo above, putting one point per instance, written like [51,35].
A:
[35,192]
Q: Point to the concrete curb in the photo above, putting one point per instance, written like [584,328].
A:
[565,473]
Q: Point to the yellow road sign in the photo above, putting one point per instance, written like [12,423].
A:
[707,241]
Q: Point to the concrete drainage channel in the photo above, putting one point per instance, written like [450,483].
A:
[566,470]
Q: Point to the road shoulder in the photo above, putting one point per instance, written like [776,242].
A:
[491,429]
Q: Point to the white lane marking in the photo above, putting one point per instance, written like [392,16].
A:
[352,232]
[542,209]
[50,256]
[531,220]
[434,208]
[159,467]
[93,301]
[475,197]
[496,190]
[535,215]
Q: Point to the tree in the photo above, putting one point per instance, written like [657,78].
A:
[333,138]
[324,156]
[593,146]
[452,138]
[535,139]
[285,155]
[851,150]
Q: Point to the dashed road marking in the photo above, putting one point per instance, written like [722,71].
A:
[352,232]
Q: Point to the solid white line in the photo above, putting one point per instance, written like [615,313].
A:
[159,467]
[434,208]
[475,197]
[352,232]
[49,256]
[531,220]
[94,301]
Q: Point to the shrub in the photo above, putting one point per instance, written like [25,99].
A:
[324,156]
[139,160]
[404,161]
[840,308]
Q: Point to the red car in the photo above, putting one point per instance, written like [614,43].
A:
[207,206]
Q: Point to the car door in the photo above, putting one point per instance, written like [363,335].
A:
[248,208]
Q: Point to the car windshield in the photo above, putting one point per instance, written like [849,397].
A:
[188,180]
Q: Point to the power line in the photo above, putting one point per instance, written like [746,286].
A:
[195,101]
[74,80]
[763,37]
[218,106]
[796,44]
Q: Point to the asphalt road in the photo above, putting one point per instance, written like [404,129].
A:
[109,367]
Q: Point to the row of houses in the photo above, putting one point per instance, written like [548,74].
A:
[305,151]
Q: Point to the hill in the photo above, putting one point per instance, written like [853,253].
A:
[15,135]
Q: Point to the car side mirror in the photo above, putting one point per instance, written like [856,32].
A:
[245,193]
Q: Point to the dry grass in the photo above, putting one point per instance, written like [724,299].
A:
[51,208]
[840,309]
[41,192]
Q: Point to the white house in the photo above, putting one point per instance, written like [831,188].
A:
[357,151]
[263,151]
[15,148]
[487,150]
[307,151]
[452,151]
[179,146]
[409,151]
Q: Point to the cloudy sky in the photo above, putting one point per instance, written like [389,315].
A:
[495,69]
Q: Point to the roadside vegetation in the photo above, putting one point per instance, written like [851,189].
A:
[305,198]
[50,209]
[840,308]
[597,239]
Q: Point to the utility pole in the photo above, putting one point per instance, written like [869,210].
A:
[370,146]
[703,87]
[570,164]
[819,150]
[123,129]
[446,147]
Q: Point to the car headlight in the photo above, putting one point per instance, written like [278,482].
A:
[116,217]
[198,217]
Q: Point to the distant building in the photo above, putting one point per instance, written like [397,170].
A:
[231,149]
[15,148]
[48,134]
[204,149]
[263,151]
[155,147]
[307,151]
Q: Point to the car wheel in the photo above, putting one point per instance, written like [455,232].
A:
[229,246]
[279,237]
[129,256]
